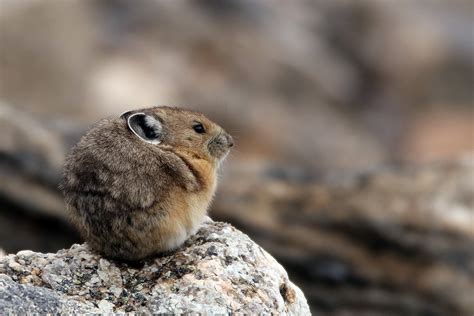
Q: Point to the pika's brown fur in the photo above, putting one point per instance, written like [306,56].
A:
[141,184]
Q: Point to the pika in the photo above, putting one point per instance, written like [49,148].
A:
[140,184]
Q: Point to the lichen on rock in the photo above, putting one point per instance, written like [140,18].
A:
[218,270]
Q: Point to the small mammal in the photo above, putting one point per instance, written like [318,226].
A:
[141,184]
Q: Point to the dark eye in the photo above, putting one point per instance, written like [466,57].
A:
[198,128]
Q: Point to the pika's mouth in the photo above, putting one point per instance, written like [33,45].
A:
[220,145]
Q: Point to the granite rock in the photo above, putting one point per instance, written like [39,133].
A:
[218,270]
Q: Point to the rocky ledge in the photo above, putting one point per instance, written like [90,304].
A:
[219,270]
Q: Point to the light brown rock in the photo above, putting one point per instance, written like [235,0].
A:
[219,270]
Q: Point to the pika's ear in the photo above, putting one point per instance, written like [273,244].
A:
[126,114]
[146,127]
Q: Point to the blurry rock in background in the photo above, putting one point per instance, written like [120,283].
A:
[310,90]
[397,241]
[327,84]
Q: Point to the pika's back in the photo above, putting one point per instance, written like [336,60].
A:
[139,184]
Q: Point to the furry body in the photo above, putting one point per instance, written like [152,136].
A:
[131,198]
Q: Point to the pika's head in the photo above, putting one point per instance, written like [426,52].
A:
[178,128]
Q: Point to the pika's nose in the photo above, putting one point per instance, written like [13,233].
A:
[230,140]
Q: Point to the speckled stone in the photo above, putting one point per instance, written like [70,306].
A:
[218,270]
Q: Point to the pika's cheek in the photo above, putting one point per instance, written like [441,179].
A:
[220,145]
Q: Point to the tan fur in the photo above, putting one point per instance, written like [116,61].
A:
[131,199]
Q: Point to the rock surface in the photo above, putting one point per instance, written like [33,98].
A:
[392,241]
[219,270]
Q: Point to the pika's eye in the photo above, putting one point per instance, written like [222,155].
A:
[198,128]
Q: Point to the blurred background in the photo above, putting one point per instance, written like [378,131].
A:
[353,122]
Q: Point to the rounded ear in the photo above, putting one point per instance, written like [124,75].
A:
[126,114]
[146,127]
